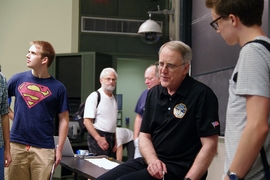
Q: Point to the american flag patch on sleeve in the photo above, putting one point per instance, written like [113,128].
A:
[215,123]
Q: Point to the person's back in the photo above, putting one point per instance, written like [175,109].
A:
[239,22]
[124,138]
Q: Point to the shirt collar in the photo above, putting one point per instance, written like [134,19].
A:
[182,90]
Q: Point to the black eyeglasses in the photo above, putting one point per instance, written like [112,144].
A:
[214,23]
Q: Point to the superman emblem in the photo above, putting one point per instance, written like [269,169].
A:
[33,93]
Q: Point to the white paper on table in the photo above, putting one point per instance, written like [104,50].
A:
[103,162]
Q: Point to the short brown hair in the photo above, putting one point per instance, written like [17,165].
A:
[47,50]
[249,11]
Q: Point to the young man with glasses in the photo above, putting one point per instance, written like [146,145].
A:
[180,126]
[100,121]
[247,121]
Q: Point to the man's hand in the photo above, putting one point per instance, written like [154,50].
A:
[103,143]
[157,169]
[115,147]
[7,159]
[58,157]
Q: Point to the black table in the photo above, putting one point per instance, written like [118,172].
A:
[82,167]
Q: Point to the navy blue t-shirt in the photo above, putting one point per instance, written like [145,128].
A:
[37,102]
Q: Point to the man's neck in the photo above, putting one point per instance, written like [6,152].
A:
[249,34]
[41,74]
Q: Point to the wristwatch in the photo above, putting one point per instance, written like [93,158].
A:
[233,176]
[187,178]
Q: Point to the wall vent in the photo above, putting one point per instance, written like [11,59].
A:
[111,25]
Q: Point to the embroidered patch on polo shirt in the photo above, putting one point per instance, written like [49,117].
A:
[180,110]
[215,124]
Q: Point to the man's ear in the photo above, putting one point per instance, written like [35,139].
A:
[234,19]
[186,66]
[45,60]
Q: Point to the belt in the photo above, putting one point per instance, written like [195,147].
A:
[104,132]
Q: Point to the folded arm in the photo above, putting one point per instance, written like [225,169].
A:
[63,131]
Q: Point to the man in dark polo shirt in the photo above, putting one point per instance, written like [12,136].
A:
[180,127]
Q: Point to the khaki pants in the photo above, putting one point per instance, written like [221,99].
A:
[29,163]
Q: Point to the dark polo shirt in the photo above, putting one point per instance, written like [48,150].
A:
[177,122]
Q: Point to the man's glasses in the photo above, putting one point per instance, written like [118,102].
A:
[214,23]
[169,66]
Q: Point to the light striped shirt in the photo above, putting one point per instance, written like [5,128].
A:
[253,78]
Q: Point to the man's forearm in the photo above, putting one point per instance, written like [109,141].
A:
[63,128]
[137,126]
[146,148]
[204,157]
[6,131]
[253,135]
